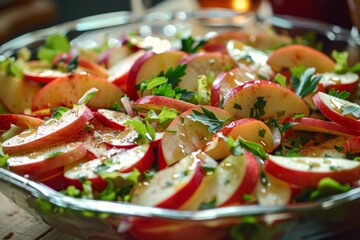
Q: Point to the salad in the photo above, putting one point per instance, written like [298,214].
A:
[229,120]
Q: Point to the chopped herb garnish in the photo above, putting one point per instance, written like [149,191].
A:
[163,118]
[208,205]
[155,81]
[339,148]
[261,133]
[257,111]
[208,118]
[237,106]
[222,101]
[60,111]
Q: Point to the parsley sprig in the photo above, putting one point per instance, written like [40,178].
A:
[303,80]
[190,45]
[208,118]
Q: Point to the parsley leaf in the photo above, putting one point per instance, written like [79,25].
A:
[163,118]
[174,75]
[190,45]
[303,81]
[60,111]
[154,82]
[146,131]
[54,44]
[208,118]
[280,79]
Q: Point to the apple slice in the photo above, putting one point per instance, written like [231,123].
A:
[46,159]
[248,128]
[307,171]
[112,119]
[171,187]
[184,135]
[233,178]
[157,103]
[148,65]
[16,94]
[83,64]
[274,193]
[19,120]
[50,132]
[119,72]
[43,72]
[227,81]
[237,176]
[338,110]
[120,160]
[296,54]
[203,63]
[66,91]
[263,100]
[347,82]
[111,56]
[321,126]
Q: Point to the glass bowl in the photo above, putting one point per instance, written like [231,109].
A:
[94,219]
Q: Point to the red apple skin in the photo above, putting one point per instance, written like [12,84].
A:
[147,65]
[49,133]
[322,126]
[19,120]
[54,178]
[28,164]
[158,102]
[309,176]
[326,105]
[352,145]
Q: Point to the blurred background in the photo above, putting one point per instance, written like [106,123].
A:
[20,16]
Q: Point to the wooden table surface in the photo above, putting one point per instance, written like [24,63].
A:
[16,224]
